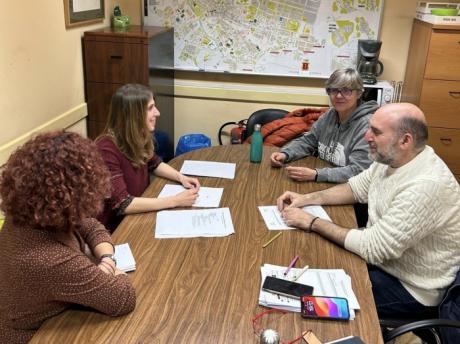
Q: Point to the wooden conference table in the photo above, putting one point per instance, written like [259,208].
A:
[205,290]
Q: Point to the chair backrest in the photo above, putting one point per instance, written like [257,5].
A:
[262,117]
[450,309]
[446,327]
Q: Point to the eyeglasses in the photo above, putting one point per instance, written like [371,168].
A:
[345,92]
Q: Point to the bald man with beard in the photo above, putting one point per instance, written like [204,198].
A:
[412,239]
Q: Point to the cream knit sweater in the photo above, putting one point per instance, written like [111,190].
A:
[413,232]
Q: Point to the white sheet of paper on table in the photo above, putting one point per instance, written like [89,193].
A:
[215,222]
[209,169]
[274,221]
[207,197]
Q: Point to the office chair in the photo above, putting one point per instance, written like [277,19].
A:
[262,117]
[443,330]
[432,325]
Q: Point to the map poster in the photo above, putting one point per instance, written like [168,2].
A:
[308,38]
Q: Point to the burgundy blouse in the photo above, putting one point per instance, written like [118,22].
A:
[127,180]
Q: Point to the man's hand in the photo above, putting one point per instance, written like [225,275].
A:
[301,174]
[296,217]
[290,199]
[277,159]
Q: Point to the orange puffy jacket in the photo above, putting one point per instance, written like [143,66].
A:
[295,123]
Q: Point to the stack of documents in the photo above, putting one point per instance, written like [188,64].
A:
[193,223]
[274,221]
[124,257]
[325,282]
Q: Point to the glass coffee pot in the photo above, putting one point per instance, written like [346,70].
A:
[369,66]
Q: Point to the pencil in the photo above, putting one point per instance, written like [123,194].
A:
[300,273]
[271,240]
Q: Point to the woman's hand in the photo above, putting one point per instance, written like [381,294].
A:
[301,174]
[189,182]
[108,266]
[185,198]
[277,159]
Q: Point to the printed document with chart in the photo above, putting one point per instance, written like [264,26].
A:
[194,223]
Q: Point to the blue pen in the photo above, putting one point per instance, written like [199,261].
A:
[296,258]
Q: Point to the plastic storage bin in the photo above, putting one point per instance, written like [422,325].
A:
[191,142]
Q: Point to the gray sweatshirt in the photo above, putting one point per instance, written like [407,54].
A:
[341,144]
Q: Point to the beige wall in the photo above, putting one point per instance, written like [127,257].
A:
[41,70]
[41,73]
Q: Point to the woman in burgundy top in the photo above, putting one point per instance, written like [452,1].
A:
[50,190]
[127,149]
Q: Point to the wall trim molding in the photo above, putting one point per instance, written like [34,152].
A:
[62,121]
[251,93]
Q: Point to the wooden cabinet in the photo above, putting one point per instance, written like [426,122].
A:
[432,82]
[140,54]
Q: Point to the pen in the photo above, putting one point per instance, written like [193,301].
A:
[300,273]
[271,240]
[296,258]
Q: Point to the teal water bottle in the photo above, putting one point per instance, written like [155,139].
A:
[256,145]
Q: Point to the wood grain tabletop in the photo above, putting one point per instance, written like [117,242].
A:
[205,290]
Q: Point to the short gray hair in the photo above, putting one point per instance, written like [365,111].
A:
[346,77]
[415,127]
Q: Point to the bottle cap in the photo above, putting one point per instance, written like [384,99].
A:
[269,336]
[257,127]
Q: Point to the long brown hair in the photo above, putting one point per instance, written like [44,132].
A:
[126,122]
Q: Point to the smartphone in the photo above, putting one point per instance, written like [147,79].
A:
[287,288]
[324,307]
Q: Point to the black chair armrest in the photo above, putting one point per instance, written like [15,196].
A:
[430,323]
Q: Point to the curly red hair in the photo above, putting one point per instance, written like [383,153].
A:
[54,181]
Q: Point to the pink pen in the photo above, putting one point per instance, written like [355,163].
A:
[296,258]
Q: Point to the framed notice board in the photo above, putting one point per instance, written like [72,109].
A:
[82,12]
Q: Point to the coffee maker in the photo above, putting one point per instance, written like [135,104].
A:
[369,66]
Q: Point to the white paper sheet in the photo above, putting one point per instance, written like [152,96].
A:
[209,169]
[194,223]
[325,282]
[207,197]
[274,221]
[124,257]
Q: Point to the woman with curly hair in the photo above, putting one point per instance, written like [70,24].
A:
[127,148]
[51,188]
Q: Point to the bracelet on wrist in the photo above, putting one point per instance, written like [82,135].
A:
[110,256]
[316,175]
[312,222]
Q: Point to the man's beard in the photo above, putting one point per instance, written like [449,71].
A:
[386,158]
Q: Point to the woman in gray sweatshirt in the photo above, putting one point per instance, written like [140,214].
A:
[336,137]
